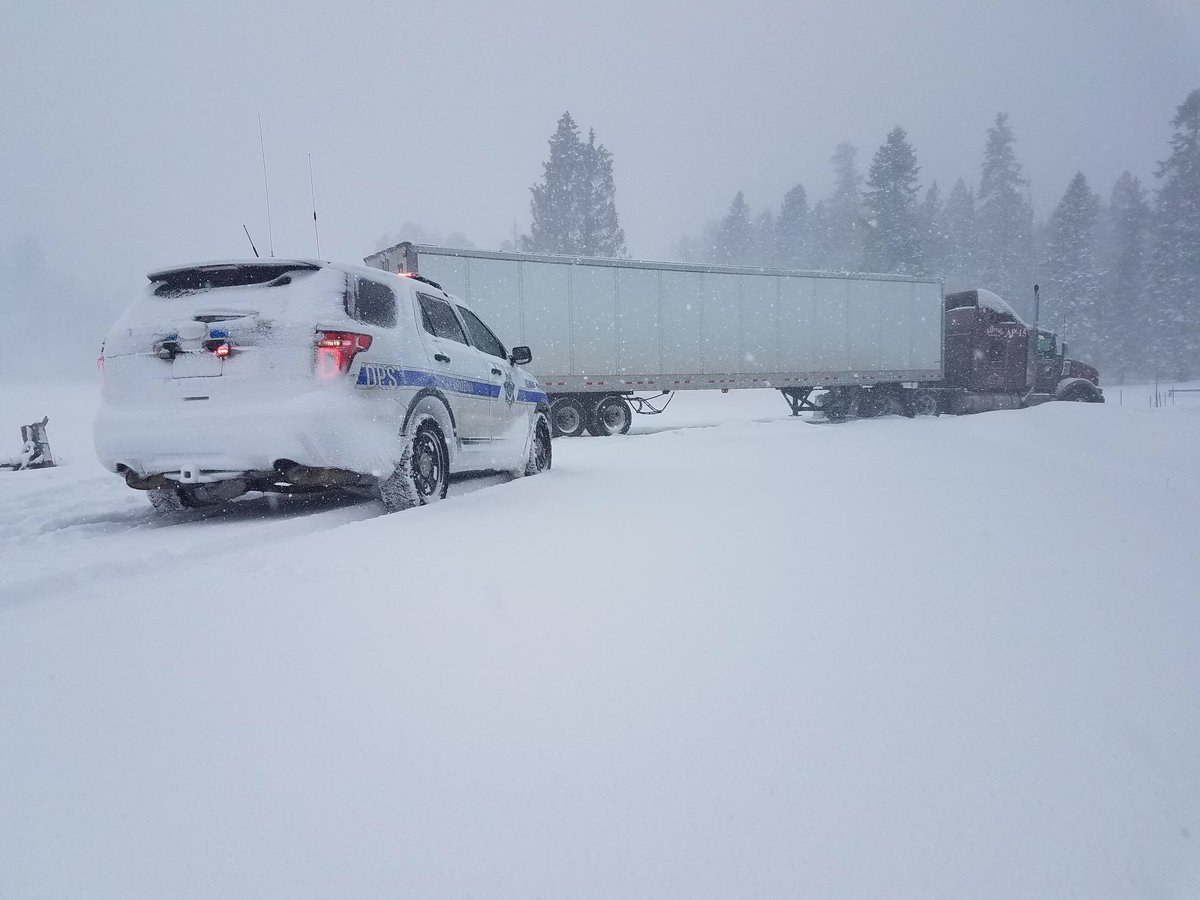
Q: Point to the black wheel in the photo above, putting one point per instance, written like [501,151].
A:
[885,403]
[567,417]
[167,500]
[611,415]
[840,404]
[925,403]
[423,475]
[1083,392]
[540,453]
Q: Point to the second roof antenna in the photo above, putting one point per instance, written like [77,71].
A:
[266,190]
[313,190]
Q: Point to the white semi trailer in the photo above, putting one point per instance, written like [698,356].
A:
[605,330]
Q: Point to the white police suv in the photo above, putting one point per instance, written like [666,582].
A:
[293,376]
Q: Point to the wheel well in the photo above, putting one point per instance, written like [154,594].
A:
[431,404]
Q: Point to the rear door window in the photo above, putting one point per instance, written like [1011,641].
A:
[438,319]
[371,303]
[481,335]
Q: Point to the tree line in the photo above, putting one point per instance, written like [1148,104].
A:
[1120,275]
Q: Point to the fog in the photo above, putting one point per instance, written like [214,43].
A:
[131,133]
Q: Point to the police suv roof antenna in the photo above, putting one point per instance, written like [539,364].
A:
[251,240]
[266,190]
[313,191]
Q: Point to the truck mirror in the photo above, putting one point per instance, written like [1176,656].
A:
[521,356]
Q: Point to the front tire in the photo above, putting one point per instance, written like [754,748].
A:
[540,452]
[423,475]
[567,417]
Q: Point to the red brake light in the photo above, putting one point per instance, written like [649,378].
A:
[221,350]
[336,350]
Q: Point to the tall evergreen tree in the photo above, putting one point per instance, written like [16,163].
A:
[792,229]
[932,221]
[573,209]
[1005,220]
[600,232]
[1125,306]
[962,239]
[838,239]
[735,236]
[1175,253]
[1073,283]
[893,235]
[765,251]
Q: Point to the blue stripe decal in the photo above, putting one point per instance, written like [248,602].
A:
[377,375]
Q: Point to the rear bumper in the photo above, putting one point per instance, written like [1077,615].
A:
[211,441]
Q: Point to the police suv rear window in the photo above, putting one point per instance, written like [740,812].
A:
[203,278]
[371,303]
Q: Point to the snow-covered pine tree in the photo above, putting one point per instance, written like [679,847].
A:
[1071,304]
[792,229]
[764,252]
[893,239]
[555,225]
[932,219]
[1125,305]
[838,240]
[1005,221]
[574,207]
[962,239]
[600,232]
[1175,247]
[735,236]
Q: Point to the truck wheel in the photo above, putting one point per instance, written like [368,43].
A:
[567,418]
[611,415]
[886,403]
[540,453]
[423,475]
[839,404]
[167,500]
[925,403]
[1083,392]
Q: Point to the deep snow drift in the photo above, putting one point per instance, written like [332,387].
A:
[930,658]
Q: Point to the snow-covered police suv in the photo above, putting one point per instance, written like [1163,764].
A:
[294,376]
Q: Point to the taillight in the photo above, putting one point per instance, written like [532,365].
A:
[336,350]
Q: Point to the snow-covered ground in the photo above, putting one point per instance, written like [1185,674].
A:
[732,655]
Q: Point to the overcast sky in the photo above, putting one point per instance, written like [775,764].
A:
[130,136]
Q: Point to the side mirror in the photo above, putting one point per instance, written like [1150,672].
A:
[520,356]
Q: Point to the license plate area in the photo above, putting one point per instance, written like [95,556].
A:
[196,364]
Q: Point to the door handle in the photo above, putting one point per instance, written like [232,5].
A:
[497,372]
[441,357]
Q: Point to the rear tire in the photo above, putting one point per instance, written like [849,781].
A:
[925,403]
[423,475]
[611,415]
[540,452]
[166,500]
[567,417]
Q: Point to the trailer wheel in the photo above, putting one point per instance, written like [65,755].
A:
[840,404]
[567,418]
[885,403]
[611,415]
[925,403]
